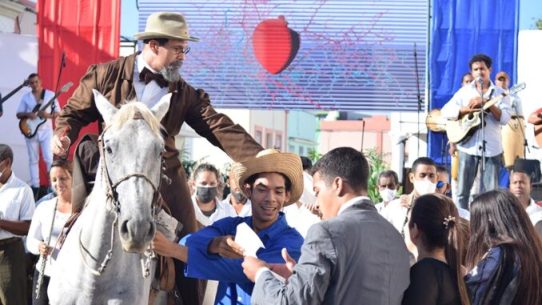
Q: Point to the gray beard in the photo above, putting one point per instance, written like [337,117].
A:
[171,73]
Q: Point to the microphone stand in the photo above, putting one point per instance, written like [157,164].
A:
[483,145]
[418,95]
[362,133]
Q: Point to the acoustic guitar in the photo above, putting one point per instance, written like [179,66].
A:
[29,127]
[462,129]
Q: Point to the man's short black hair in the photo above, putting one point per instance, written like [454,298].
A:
[6,153]
[442,169]
[161,41]
[306,163]
[522,171]
[480,57]
[346,163]
[424,161]
[287,183]
[33,75]
[389,174]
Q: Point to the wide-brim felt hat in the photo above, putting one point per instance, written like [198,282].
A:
[166,25]
[272,161]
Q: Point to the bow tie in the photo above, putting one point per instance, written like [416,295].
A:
[147,76]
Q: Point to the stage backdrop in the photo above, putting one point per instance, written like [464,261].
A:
[460,29]
[86,31]
[304,54]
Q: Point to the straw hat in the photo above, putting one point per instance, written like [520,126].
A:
[272,161]
[166,25]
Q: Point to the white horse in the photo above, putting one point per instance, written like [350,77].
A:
[107,253]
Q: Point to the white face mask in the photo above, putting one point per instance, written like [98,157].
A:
[424,187]
[387,194]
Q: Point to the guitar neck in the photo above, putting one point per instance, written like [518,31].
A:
[493,101]
[5,98]
[48,103]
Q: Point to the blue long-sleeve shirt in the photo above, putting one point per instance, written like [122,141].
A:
[234,287]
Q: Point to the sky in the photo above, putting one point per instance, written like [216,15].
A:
[530,10]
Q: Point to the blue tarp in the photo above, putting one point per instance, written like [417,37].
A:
[460,29]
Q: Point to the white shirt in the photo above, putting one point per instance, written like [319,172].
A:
[383,209]
[463,213]
[40,227]
[300,218]
[493,131]
[534,211]
[16,203]
[222,211]
[307,197]
[351,202]
[395,213]
[245,211]
[150,93]
[28,102]
[515,105]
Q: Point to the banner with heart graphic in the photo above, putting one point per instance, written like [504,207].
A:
[275,45]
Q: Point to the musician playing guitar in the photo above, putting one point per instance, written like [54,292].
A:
[468,102]
[31,107]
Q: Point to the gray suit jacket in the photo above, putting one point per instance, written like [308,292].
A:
[355,258]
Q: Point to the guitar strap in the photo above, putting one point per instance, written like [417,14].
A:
[42,96]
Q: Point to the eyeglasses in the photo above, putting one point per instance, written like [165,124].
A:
[180,50]
[501,79]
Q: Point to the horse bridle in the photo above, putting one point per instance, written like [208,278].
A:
[112,196]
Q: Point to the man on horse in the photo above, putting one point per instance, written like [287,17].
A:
[147,76]
[271,181]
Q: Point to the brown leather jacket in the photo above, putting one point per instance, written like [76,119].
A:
[114,81]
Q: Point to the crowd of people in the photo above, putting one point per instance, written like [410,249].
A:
[324,240]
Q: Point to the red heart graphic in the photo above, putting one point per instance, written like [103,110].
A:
[275,45]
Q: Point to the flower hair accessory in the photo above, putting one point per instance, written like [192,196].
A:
[447,221]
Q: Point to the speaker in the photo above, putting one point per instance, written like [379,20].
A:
[530,167]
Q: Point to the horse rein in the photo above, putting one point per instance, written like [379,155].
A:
[112,196]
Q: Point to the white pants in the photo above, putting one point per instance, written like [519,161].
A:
[41,139]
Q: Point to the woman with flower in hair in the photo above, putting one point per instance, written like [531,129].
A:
[505,253]
[436,278]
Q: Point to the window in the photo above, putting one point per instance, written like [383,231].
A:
[301,150]
[291,148]
[258,136]
[278,141]
[268,140]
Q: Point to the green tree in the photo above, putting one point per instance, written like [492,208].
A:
[538,24]
[314,155]
[376,166]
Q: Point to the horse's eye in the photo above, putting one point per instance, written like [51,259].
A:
[109,150]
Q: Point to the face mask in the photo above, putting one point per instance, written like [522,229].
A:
[206,194]
[424,187]
[239,197]
[387,194]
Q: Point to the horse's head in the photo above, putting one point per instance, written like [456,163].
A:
[130,158]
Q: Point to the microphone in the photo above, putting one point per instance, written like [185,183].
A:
[402,139]
[479,79]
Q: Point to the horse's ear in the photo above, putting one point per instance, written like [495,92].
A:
[160,109]
[106,109]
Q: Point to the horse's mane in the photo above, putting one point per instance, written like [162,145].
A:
[135,110]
